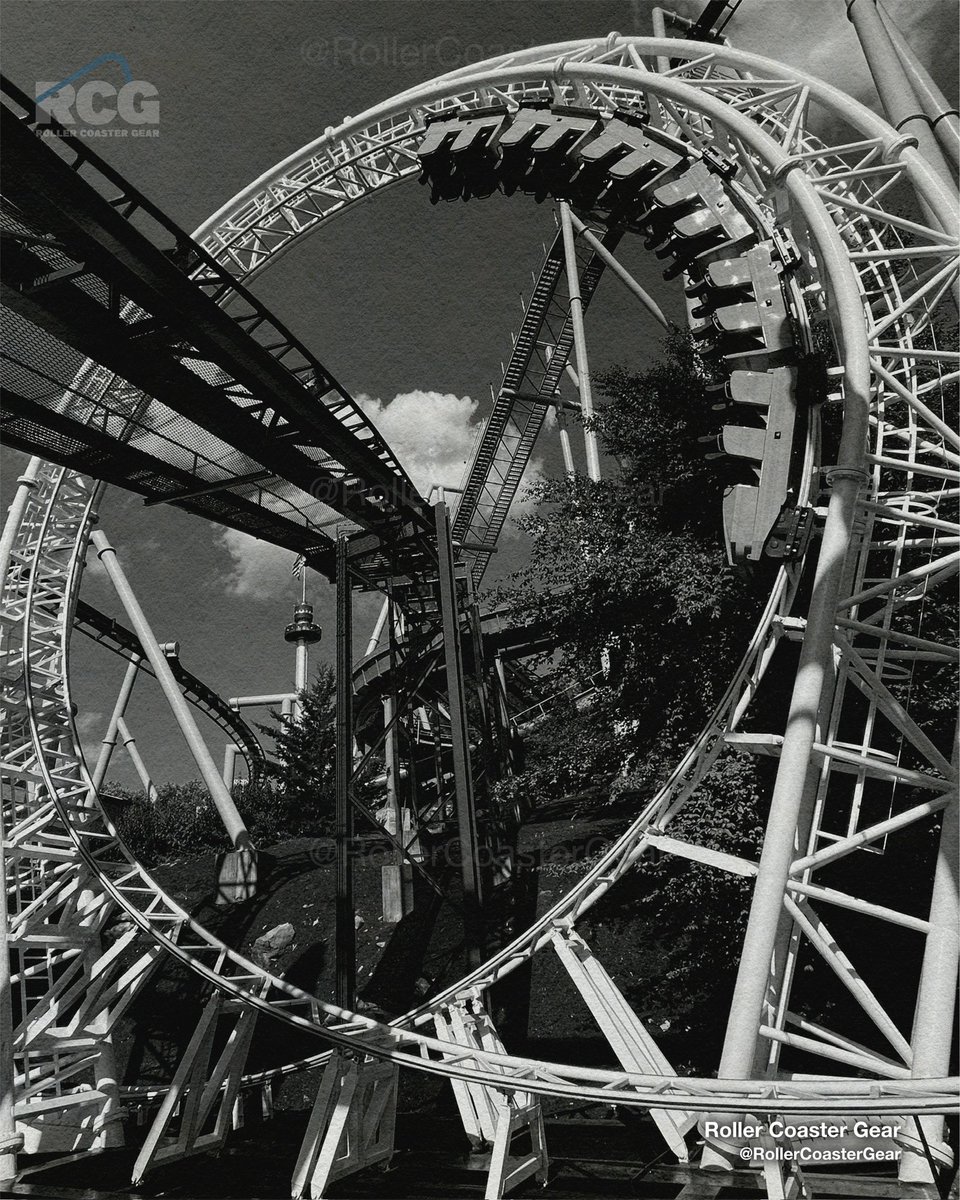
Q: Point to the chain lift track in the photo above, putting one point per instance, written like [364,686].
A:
[747,169]
[530,382]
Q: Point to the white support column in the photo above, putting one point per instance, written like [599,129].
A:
[934,1019]
[377,634]
[397,874]
[104,1065]
[10,1140]
[230,752]
[900,103]
[814,676]
[25,485]
[266,701]
[652,307]
[130,745]
[579,339]
[233,822]
[658,19]
[391,885]
[943,119]
[569,466]
[119,711]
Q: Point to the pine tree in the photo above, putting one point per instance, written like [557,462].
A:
[304,770]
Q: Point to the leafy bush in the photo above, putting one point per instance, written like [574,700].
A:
[295,800]
[182,820]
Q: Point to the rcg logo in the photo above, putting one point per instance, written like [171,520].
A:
[93,107]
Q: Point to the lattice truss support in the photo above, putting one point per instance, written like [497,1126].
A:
[76,965]
[351,1126]
[859,764]
[529,389]
[200,1106]
[492,1118]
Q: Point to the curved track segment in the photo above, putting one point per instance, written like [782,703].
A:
[107,631]
[828,197]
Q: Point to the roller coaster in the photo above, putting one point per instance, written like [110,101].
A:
[817,244]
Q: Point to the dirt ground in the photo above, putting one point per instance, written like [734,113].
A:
[397,965]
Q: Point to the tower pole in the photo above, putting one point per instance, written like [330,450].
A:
[302,633]
[346,947]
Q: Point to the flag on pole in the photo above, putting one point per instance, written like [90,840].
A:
[298,566]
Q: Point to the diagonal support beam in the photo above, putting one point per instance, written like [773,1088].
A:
[628,1037]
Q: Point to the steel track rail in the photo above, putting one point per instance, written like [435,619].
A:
[54,777]
[125,881]
[441,1068]
[107,631]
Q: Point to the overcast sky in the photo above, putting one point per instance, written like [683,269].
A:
[410,305]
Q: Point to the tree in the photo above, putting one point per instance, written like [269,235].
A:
[304,771]
[633,569]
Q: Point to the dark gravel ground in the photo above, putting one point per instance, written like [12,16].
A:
[397,965]
[594,1152]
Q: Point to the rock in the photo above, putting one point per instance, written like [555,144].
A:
[358,921]
[121,924]
[270,945]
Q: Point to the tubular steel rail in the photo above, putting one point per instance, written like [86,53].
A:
[876,279]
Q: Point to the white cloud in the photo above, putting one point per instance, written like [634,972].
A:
[432,433]
[258,570]
[523,502]
[90,728]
